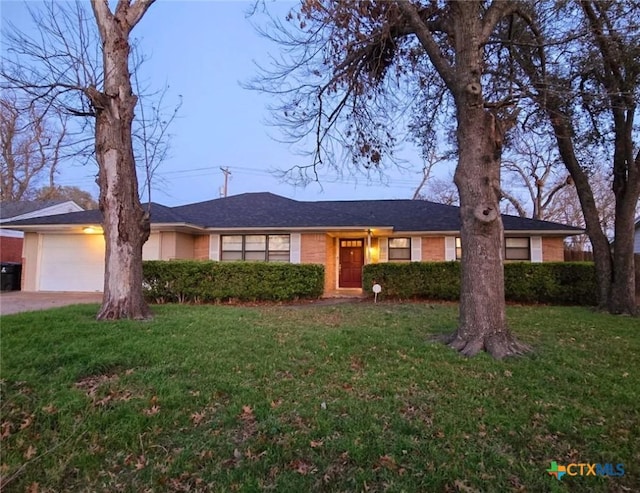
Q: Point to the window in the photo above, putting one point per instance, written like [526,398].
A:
[278,248]
[399,249]
[517,249]
[351,243]
[256,248]
[231,248]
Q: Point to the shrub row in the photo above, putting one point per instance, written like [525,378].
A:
[203,281]
[565,283]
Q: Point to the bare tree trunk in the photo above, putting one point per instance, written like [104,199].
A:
[623,281]
[599,242]
[483,323]
[626,186]
[126,226]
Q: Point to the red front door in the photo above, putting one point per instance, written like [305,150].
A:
[351,262]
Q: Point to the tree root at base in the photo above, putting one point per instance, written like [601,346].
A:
[122,311]
[499,345]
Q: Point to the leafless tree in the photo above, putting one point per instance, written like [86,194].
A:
[348,72]
[32,145]
[81,197]
[583,72]
[85,72]
[531,164]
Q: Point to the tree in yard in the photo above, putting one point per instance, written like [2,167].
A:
[81,197]
[584,76]
[32,145]
[531,163]
[61,71]
[349,70]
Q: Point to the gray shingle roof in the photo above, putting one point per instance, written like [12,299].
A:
[15,209]
[267,210]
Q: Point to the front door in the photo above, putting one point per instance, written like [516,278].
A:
[351,262]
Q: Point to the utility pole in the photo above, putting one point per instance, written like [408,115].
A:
[226,180]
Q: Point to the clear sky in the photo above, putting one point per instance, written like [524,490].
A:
[203,50]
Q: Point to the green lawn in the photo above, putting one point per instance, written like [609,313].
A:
[351,397]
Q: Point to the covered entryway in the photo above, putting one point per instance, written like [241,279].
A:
[71,262]
[351,262]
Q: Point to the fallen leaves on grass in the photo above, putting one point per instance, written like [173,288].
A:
[50,409]
[33,488]
[464,487]
[276,403]
[247,414]
[5,430]
[91,384]
[30,453]
[26,421]
[139,461]
[302,467]
[388,462]
[152,411]
[196,418]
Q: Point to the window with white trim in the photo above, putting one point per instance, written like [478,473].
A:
[514,249]
[256,248]
[517,249]
[399,249]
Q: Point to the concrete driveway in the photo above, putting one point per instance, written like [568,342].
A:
[19,301]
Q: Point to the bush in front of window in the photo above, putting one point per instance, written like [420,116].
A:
[561,283]
[429,280]
[191,281]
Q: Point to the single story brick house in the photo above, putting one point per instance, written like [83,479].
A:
[66,252]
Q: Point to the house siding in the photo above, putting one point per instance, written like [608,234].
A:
[30,259]
[552,249]
[176,245]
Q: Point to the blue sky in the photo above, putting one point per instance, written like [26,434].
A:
[203,50]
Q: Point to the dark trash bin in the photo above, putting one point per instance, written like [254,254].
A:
[10,273]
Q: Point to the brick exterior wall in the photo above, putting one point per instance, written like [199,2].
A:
[330,280]
[552,249]
[320,249]
[10,249]
[433,248]
[201,247]
[313,248]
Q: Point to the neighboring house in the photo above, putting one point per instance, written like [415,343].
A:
[66,252]
[11,241]
[636,239]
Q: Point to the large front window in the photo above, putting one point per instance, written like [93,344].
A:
[261,248]
[399,249]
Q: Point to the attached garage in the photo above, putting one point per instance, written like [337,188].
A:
[71,262]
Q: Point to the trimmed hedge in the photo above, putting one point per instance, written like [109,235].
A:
[431,280]
[204,281]
[562,283]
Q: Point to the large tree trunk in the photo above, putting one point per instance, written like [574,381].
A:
[626,187]
[126,226]
[483,323]
[563,129]
[623,283]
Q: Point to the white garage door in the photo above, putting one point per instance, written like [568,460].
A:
[72,263]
